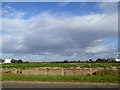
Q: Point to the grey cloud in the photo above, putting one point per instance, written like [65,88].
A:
[56,34]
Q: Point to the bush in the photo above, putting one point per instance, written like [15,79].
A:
[65,61]
[20,61]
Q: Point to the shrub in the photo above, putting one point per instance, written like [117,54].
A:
[65,61]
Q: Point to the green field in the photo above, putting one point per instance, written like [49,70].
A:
[84,78]
[63,65]
[87,78]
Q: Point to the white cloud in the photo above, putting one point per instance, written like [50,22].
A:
[97,49]
[9,7]
[99,40]
[10,12]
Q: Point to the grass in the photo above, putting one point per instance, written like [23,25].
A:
[37,65]
[87,78]
[63,65]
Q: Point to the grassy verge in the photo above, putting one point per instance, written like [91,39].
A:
[87,78]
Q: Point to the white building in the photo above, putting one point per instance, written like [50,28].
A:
[7,61]
[117,60]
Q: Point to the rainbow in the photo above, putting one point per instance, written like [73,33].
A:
[76,45]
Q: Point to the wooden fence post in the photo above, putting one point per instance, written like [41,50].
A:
[90,70]
[62,72]
[16,71]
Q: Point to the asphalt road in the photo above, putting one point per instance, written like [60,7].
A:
[21,84]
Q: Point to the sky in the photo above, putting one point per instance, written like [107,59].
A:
[56,31]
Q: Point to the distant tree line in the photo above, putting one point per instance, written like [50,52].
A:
[99,60]
[18,61]
[109,60]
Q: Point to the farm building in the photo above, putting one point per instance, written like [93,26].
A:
[7,61]
[117,60]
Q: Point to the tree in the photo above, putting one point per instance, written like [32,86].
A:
[20,61]
[78,60]
[111,60]
[90,60]
[2,60]
[99,60]
[65,61]
[104,60]
[14,61]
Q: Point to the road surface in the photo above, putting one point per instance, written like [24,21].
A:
[26,84]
